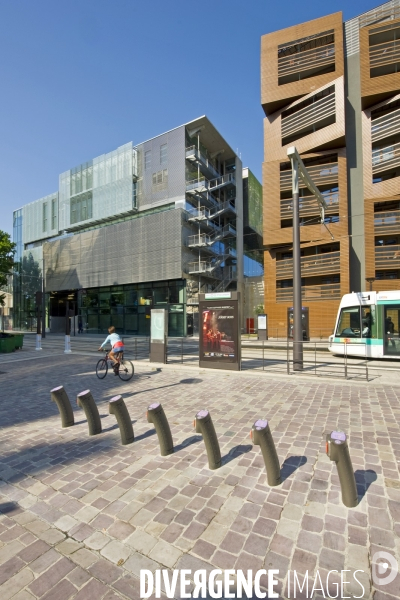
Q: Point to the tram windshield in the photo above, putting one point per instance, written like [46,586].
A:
[354,322]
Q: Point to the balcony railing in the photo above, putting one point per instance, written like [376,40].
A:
[304,121]
[203,184]
[308,206]
[199,240]
[384,54]
[203,213]
[311,293]
[207,267]
[387,257]
[315,58]
[385,158]
[387,222]
[384,12]
[385,126]
[320,174]
[316,264]
[193,154]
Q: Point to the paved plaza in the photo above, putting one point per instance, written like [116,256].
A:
[81,516]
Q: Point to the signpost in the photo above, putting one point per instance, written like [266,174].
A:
[219,335]
[158,335]
[262,327]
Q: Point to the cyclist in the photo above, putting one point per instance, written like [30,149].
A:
[117,346]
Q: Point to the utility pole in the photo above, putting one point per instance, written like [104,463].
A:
[299,170]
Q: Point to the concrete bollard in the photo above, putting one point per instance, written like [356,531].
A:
[204,425]
[60,397]
[338,451]
[85,400]
[261,436]
[156,415]
[117,407]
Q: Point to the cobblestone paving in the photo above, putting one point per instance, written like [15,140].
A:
[80,516]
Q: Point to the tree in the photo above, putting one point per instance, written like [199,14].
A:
[7,251]
[30,277]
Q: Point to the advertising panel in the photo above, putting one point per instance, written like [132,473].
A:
[219,337]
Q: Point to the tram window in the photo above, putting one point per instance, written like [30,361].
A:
[366,322]
[349,324]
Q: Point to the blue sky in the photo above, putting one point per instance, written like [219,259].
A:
[79,78]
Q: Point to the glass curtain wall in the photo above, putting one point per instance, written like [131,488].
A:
[127,307]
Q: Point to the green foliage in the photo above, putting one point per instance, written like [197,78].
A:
[7,251]
[30,277]
[259,309]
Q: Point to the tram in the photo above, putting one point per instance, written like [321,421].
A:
[368,324]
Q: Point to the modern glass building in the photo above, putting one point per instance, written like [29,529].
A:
[143,226]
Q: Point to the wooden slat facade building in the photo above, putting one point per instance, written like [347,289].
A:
[332,89]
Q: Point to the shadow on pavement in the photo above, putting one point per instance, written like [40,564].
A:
[185,381]
[8,507]
[363,481]
[290,465]
[145,435]
[188,442]
[235,452]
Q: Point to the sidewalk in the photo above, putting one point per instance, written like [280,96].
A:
[83,515]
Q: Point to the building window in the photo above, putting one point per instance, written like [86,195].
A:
[384,43]
[81,208]
[163,154]
[54,213]
[160,177]
[147,160]
[160,180]
[44,216]
[306,57]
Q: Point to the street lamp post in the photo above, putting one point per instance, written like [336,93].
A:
[297,303]
[370,281]
[299,170]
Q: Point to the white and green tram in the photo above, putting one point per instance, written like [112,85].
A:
[368,324]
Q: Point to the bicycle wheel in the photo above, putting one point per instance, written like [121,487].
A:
[101,368]
[126,370]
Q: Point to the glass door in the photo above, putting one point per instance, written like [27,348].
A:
[391,328]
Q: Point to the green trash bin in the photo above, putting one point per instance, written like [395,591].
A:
[19,340]
[7,343]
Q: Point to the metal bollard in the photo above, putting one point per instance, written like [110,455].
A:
[117,407]
[67,344]
[60,397]
[155,414]
[261,436]
[204,425]
[85,400]
[338,450]
[38,341]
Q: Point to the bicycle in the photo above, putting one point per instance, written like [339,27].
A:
[125,369]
